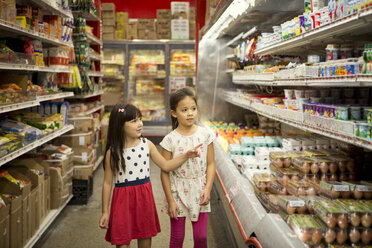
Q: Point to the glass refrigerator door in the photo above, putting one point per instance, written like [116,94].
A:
[182,68]
[114,79]
[147,81]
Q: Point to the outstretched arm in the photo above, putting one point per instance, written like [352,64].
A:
[211,172]
[106,192]
[169,165]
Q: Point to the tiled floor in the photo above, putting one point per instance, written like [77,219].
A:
[77,226]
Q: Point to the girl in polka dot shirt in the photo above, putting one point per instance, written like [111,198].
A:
[133,213]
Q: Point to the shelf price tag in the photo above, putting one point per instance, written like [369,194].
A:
[234,190]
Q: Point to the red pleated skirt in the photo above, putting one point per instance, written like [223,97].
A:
[133,214]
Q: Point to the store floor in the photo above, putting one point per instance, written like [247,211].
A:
[77,226]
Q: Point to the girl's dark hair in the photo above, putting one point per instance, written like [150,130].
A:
[120,114]
[178,96]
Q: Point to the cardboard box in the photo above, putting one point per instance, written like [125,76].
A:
[122,18]
[146,24]
[47,195]
[56,187]
[192,30]
[82,124]
[16,222]
[7,187]
[108,29]
[83,156]
[108,36]
[192,14]
[120,35]
[163,35]
[180,10]
[146,34]
[83,172]
[180,29]
[108,14]
[132,31]
[109,22]
[163,14]
[108,7]
[77,140]
[5,226]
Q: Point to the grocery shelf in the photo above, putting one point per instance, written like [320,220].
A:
[322,35]
[98,93]
[91,111]
[55,96]
[95,57]
[53,9]
[18,106]
[105,62]
[360,80]
[98,162]
[95,74]
[230,70]
[89,16]
[49,219]
[336,129]
[248,212]
[15,29]
[5,159]
[231,56]
[93,39]
[22,67]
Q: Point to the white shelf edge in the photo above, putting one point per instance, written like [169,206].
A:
[87,96]
[105,62]
[13,155]
[49,219]
[89,16]
[33,68]
[43,4]
[93,39]
[91,111]
[54,96]
[95,74]
[230,71]
[17,106]
[98,162]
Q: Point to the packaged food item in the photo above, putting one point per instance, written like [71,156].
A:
[360,190]
[300,188]
[331,213]
[283,175]
[309,177]
[313,153]
[291,204]
[335,190]
[261,181]
[280,159]
[324,165]
[307,228]
[277,188]
[344,163]
[304,164]
[366,236]
[310,200]
[358,213]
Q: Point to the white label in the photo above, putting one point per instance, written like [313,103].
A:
[81,141]
[296,203]
[233,192]
[84,156]
[364,188]
[341,187]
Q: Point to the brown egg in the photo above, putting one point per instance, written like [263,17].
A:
[341,166]
[305,235]
[352,177]
[335,194]
[324,177]
[305,168]
[311,191]
[284,191]
[262,186]
[291,210]
[301,210]
[366,236]
[332,167]
[342,220]
[354,219]
[310,208]
[295,178]
[287,162]
[279,163]
[350,166]
[323,167]
[285,180]
[318,246]
[330,236]
[367,195]
[317,236]
[343,177]
[333,178]
[331,220]
[354,235]
[314,168]
[366,220]
[346,194]
[341,236]
[301,191]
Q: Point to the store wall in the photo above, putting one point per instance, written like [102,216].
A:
[143,8]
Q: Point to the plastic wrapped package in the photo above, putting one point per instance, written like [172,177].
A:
[291,204]
[360,190]
[300,188]
[310,200]
[307,228]
[335,190]
[283,175]
[305,165]
[276,188]
[261,181]
[331,213]
[280,159]
[344,163]
[359,215]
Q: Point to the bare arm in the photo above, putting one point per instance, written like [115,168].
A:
[211,172]
[106,192]
[169,165]
[165,181]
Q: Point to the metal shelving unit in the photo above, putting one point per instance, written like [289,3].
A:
[89,16]
[93,39]
[21,67]
[18,106]
[52,7]
[98,93]
[55,96]
[91,111]
[95,74]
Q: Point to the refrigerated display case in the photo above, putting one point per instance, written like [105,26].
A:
[151,70]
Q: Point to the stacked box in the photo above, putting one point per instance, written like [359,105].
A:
[108,21]
[163,24]
[8,10]
[82,190]
[192,24]
[180,10]
[180,27]
[132,30]
[146,29]
[5,225]
[122,20]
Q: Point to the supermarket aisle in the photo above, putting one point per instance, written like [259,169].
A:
[77,226]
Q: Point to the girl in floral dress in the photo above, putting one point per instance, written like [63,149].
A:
[188,188]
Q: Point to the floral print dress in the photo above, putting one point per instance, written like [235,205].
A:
[189,180]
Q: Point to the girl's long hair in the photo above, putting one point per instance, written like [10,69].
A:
[178,96]
[120,114]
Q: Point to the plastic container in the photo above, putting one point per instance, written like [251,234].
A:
[346,51]
[324,93]
[331,213]
[369,115]
[332,51]
[335,190]
[311,93]
[342,113]
[310,200]
[315,100]
[291,204]
[284,175]
[289,94]
[348,93]
[276,188]
[301,101]
[300,188]
[299,94]
[303,164]
[355,113]
[261,181]
[358,214]
[308,229]
[280,159]
[336,93]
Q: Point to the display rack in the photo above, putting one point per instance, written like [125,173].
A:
[98,93]
[54,96]
[95,74]
[19,67]
[53,9]
[18,106]
[89,16]
[5,159]
[93,39]
[49,219]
